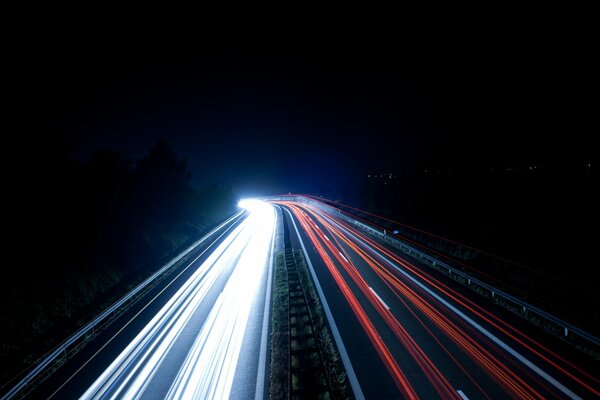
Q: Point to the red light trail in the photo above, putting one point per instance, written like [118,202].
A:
[346,253]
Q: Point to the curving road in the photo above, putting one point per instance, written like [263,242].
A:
[403,331]
[201,333]
[192,346]
[411,334]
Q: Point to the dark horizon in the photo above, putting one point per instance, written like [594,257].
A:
[450,181]
[250,117]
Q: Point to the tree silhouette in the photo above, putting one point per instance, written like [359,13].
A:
[97,227]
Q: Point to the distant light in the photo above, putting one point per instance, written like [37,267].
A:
[210,365]
[257,208]
[245,203]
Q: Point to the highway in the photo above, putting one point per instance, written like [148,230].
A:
[200,334]
[410,333]
[402,329]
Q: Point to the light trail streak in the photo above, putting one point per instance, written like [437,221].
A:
[511,371]
[437,380]
[503,374]
[564,366]
[358,394]
[439,253]
[210,364]
[385,354]
[412,228]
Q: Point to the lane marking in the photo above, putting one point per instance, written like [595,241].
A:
[379,298]
[473,323]
[326,238]
[343,257]
[462,395]
[358,394]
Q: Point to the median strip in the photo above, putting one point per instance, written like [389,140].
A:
[305,362]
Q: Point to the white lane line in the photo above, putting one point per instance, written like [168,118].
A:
[379,298]
[345,259]
[137,314]
[477,326]
[326,238]
[358,394]
[262,359]
[462,395]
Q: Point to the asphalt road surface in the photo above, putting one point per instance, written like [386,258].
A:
[410,333]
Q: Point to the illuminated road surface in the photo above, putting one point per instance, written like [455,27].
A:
[192,347]
[410,334]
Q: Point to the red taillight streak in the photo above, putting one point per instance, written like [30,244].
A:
[501,374]
[477,353]
[390,363]
[479,311]
[437,379]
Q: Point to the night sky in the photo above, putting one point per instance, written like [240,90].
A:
[297,115]
[486,122]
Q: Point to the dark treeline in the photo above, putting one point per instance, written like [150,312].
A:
[539,216]
[85,231]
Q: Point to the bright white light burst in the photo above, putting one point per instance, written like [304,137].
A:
[210,364]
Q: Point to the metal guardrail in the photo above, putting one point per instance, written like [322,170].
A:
[47,361]
[498,295]
[494,292]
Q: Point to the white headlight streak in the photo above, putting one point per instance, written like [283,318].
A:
[210,364]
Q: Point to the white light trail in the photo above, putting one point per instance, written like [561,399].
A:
[210,364]
[220,340]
